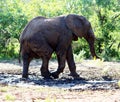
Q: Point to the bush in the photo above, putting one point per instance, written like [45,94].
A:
[103,15]
[12,21]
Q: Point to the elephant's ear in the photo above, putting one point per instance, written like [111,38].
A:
[76,24]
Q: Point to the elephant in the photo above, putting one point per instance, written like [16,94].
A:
[42,36]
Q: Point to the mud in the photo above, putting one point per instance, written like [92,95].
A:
[94,75]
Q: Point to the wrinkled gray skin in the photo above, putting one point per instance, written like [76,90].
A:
[43,36]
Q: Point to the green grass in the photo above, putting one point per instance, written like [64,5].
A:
[119,83]
[9,97]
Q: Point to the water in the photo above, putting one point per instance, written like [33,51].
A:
[69,84]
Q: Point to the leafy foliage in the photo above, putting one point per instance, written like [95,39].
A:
[103,14]
[12,21]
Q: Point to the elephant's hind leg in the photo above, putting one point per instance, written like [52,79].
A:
[26,62]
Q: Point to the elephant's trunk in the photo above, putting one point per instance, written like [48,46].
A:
[92,49]
[91,39]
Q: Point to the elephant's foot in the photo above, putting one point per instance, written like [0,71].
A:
[46,75]
[24,76]
[55,75]
[74,75]
[23,79]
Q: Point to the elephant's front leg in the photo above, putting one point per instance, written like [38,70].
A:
[61,64]
[71,63]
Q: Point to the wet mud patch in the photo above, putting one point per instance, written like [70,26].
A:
[64,83]
[94,75]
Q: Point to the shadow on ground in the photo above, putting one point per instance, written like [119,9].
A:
[64,83]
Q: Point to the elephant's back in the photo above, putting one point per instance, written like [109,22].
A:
[32,27]
[50,29]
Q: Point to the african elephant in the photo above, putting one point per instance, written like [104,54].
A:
[43,36]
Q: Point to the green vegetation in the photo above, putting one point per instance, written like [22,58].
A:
[9,97]
[119,83]
[104,16]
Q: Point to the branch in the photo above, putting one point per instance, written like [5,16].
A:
[116,16]
[118,45]
[111,44]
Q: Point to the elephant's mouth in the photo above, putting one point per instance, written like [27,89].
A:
[75,38]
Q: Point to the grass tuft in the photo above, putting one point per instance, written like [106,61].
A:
[9,97]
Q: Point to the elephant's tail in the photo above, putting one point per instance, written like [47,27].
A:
[19,56]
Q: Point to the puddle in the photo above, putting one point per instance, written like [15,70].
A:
[69,84]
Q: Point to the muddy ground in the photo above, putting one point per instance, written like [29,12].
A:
[99,81]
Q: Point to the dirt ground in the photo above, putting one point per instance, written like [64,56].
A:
[46,94]
[90,70]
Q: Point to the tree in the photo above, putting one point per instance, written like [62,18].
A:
[104,16]
[12,21]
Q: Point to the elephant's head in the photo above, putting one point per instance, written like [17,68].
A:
[81,27]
